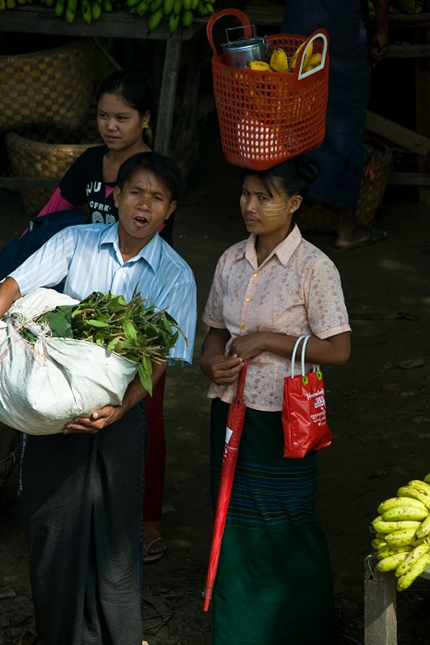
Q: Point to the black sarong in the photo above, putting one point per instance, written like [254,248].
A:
[82,512]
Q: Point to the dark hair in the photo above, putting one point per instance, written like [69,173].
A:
[160,166]
[133,88]
[292,176]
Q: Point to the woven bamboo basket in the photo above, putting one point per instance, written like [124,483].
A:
[318,218]
[53,87]
[44,153]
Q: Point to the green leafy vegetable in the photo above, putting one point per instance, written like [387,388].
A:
[134,330]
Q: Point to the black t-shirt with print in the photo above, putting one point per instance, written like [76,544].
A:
[83,184]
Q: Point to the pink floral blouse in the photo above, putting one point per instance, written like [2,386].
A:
[297,290]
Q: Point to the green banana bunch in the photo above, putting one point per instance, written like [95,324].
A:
[187,18]
[2,5]
[155,19]
[71,8]
[179,12]
[409,6]
[86,11]
[173,22]
[96,9]
[60,7]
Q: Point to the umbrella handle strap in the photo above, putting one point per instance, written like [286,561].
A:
[241,382]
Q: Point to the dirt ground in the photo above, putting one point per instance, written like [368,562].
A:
[378,407]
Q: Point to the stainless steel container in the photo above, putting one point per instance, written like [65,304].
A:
[239,52]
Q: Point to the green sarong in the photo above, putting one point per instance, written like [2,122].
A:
[274,581]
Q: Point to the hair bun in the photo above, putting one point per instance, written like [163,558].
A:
[308,169]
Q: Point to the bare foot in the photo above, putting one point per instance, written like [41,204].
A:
[351,235]
[362,236]
[151,532]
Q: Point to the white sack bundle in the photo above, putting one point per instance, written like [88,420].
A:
[43,386]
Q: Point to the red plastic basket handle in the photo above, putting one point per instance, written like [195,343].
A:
[319,33]
[227,12]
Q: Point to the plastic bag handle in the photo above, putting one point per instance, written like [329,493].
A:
[228,12]
[305,342]
[293,355]
[294,352]
[321,33]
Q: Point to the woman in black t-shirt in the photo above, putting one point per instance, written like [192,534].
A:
[123,113]
[124,106]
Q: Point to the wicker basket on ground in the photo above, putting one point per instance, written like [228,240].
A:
[318,218]
[52,87]
[44,153]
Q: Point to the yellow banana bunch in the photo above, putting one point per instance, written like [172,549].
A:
[392,562]
[402,530]
[395,502]
[387,551]
[405,513]
[416,492]
[382,526]
[411,559]
[413,573]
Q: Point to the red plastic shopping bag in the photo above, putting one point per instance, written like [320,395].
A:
[304,419]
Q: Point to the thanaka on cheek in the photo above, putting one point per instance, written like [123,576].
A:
[274,211]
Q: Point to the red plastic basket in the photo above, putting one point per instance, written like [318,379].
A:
[268,117]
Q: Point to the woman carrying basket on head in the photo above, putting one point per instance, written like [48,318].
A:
[274,580]
[124,107]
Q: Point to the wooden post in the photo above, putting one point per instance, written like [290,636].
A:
[422,93]
[380,607]
[167,97]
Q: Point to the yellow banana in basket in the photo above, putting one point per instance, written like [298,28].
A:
[306,58]
[259,65]
[279,60]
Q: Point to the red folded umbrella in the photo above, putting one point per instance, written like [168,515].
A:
[233,434]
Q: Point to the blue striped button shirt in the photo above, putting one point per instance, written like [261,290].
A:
[89,259]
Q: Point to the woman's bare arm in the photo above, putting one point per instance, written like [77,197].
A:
[329,351]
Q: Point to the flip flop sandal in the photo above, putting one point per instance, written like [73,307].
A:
[152,557]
